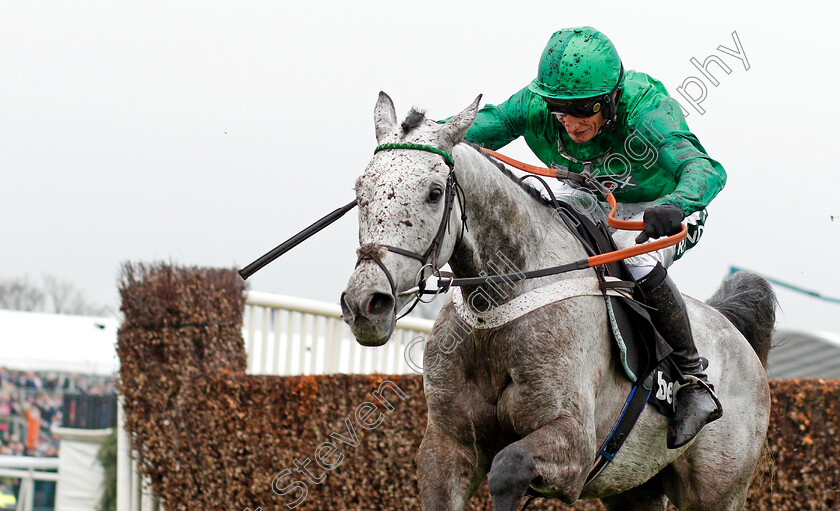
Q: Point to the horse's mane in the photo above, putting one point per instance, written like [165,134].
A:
[530,190]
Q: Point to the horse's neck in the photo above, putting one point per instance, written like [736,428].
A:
[509,231]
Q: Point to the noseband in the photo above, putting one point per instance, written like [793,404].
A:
[431,257]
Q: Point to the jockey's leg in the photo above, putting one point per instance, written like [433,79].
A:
[695,404]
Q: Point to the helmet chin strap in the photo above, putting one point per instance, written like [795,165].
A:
[611,105]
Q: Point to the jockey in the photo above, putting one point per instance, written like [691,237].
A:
[585,113]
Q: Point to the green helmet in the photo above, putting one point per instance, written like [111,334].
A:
[577,63]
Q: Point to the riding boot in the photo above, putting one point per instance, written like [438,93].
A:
[695,403]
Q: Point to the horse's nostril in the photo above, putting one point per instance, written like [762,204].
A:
[379,304]
[346,309]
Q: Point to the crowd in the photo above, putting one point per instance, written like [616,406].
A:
[30,408]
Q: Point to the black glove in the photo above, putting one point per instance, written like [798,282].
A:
[659,221]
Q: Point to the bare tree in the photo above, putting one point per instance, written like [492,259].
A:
[18,294]
[65,297]
[56,295]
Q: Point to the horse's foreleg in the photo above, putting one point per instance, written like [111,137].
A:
[449,472]
[555,458]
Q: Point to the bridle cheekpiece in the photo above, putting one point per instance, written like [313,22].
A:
[453,191]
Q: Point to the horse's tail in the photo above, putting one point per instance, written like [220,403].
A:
[748,301]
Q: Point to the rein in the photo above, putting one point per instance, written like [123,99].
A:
[447,280]
[609,257]
[452,193]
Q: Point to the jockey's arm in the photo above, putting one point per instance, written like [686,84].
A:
[496,126]
[699,177]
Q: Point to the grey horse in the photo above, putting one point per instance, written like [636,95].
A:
[529,401]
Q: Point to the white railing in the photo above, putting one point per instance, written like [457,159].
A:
[25,469]
[285,335]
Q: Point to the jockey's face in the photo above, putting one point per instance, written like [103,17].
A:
[582,129]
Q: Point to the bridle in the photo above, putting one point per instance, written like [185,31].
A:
[452,193]
[431,257]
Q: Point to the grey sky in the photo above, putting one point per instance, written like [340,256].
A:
[206,133]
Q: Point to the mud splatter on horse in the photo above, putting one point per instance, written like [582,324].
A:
[529,402]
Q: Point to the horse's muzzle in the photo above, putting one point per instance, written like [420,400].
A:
[370,314]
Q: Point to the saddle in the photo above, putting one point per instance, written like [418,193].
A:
[641,349]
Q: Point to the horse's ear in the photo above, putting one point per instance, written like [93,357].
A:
[384,116]
[455,128]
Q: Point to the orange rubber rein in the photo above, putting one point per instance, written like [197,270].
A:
[609,257]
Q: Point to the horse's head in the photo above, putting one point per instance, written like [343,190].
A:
[409,216]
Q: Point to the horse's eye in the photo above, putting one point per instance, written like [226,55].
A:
[435,194]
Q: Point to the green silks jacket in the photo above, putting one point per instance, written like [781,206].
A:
[651,154]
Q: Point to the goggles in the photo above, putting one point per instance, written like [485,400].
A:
[575,107]
[586,107]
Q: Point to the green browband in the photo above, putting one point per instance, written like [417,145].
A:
[422,147]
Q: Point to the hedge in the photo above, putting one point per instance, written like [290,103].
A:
[212,437]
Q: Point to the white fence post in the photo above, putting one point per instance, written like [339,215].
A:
[124,466]
[289,336]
